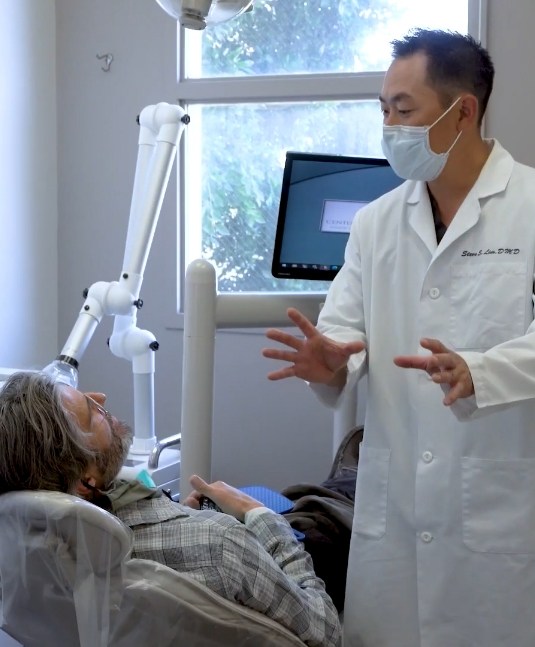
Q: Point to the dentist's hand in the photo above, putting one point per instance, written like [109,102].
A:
[444,366]
[228,498]
[314,358]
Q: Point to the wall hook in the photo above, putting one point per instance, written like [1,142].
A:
[108,58]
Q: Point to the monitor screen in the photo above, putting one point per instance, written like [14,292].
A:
[320,197]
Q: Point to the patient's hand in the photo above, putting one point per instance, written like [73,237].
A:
[228,498]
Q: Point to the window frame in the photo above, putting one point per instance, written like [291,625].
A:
[292,88]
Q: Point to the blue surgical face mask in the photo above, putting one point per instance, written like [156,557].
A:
[409,153]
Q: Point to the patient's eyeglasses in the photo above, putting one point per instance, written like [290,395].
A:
[103,412]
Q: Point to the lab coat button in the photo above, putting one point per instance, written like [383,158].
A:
[434,293]
[427,457]
[426,537]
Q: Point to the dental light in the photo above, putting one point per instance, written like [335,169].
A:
[198,14]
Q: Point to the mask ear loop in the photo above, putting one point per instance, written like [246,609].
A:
[436,122]
[454,142]
[445,113]
[97,496]
[90,487]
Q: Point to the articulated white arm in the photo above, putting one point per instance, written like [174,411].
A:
[160,129]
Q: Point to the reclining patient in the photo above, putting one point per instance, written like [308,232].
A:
[53,437]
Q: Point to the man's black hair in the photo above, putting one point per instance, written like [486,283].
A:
[455,62]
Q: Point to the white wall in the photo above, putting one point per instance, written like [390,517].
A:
[275,433]
[512,46]
[28,183]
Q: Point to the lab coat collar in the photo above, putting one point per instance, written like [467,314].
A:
[420,214]
[496,173]
[493,179]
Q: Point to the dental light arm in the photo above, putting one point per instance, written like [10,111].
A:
[161,127]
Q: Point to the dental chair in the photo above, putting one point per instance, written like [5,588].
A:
[66,578]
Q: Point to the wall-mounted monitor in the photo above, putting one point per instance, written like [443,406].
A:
[320,197]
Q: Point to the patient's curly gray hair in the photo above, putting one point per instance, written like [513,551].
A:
[41,446]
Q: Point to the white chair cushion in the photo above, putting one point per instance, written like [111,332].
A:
[66,578]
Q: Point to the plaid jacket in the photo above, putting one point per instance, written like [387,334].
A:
[260,564]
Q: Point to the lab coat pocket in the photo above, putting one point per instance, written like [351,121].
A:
[488,304]
[371,492]
[498,504]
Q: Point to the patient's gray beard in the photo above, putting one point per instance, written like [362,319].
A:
[110,461]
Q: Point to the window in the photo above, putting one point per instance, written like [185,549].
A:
[300,75]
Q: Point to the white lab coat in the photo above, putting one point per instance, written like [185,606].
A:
[443,544]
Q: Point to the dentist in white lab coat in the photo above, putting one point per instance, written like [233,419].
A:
[435,304]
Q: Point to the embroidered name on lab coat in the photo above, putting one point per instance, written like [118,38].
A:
[501,250]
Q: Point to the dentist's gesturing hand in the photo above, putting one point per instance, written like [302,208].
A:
[314,358]
[444,366]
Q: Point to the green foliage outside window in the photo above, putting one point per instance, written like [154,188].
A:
[292,36]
